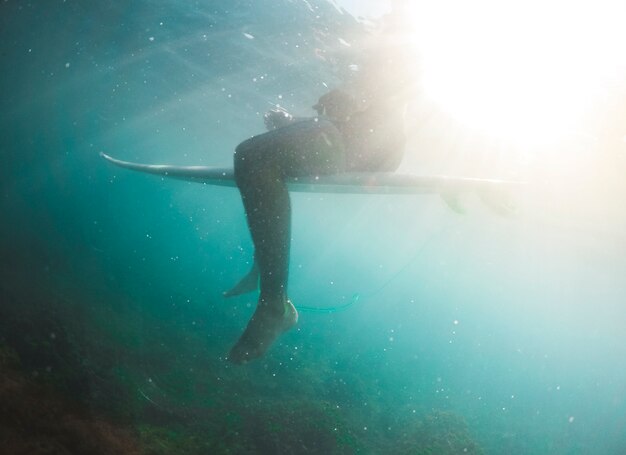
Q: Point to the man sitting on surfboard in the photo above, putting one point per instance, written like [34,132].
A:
[347,135]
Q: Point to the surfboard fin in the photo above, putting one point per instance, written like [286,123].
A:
[453,201]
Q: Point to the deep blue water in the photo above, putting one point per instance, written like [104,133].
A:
[513,324]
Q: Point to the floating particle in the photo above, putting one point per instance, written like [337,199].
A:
[248,35]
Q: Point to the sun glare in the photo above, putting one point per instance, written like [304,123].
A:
[526,72]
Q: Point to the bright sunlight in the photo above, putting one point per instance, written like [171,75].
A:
[525,72]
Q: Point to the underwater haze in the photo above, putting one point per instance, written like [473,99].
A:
[426,326]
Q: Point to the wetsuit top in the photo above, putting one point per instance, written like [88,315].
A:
[374,139]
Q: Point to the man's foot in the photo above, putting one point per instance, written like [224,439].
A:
[248,283]
[265,326]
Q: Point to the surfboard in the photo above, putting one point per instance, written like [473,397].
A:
[347,182]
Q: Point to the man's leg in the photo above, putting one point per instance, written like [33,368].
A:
[262,165]
[248,283]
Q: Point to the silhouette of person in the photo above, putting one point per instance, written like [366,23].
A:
[359,128]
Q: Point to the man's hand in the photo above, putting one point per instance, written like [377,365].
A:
[277,118]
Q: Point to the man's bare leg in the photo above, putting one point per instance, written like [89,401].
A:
[248,283]
[265,326]
[262,164]
[268,212]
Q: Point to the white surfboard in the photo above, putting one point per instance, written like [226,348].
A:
[494,193]
[347,182]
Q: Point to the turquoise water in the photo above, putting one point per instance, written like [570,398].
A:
[421,330]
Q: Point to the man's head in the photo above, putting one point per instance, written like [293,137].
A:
[336,105]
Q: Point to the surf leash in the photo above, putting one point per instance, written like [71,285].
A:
[357,297]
